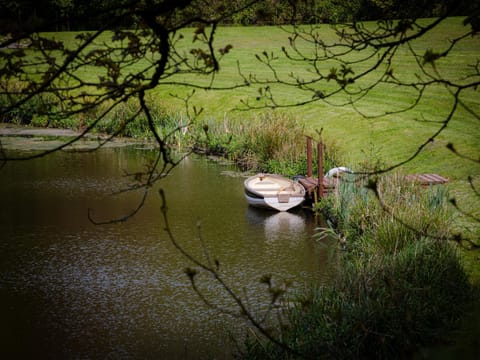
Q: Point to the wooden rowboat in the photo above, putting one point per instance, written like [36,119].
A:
[273,192]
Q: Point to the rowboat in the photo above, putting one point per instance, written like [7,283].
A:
[273,192]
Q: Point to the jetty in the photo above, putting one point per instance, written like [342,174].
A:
[427,179]
[315,187]
[320,186]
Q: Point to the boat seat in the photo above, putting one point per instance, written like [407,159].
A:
[258,188]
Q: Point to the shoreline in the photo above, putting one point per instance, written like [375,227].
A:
[26,138]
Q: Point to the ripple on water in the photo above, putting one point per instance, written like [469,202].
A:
[76,290]
[92,290]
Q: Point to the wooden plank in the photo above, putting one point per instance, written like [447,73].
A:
[309,157]
[427,179]
[311,184]
[321,188]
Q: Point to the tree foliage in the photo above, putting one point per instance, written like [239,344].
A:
[59,15]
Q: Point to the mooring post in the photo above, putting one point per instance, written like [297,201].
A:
[320,169]
[309,157]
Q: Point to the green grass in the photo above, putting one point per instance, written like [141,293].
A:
[397,136]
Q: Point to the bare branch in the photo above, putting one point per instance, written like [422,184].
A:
[213,269]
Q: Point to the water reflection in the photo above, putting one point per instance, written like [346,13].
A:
[70,289]
[279,225]
[283,224]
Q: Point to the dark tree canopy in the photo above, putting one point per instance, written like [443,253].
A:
[61,15]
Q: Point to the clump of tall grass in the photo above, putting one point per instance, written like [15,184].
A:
[121,119]
[126,119]
[36,109]
[397,213]
[398,285]
[382,309]
[275,136]
[272,142]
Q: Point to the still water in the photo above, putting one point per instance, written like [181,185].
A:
[72,289]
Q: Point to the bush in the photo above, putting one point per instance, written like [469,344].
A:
[35,109]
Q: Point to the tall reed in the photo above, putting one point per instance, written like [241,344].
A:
[399,212]
[272,142]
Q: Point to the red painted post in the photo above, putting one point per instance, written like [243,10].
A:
[309,157]
[320,169]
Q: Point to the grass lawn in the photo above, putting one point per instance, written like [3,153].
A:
[394,138]
[391,139]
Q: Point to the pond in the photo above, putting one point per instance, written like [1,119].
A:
[72,289]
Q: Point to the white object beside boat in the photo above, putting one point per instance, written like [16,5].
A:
[273,192]
[338,172]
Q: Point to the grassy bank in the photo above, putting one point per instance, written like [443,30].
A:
[395,289]
[395,137]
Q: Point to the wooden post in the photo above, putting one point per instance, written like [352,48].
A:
[320,169]
[309,157]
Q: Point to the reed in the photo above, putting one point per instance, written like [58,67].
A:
[268,142]
[386,307]
[260,143]
[272,142]
[406,212]
[126,119]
